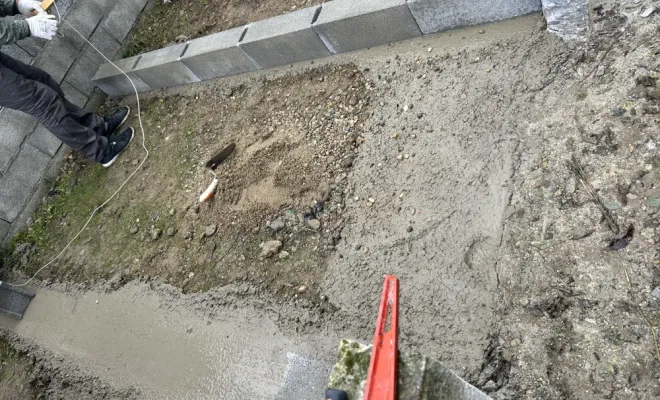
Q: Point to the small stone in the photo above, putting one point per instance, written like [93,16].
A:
[353,100]
[134,229]
[409,229]
[314,224]
[155,234]
[270,248]
[171,231]
[406,156]
[210,230]
[372,200]
[631,196]
[97,302]
[302,289]
[188,235]
[324,297]
[490,386]
[430,49]
[481,31]
[358,247]
[347,162]
[633,379]
[172,212]
[135,162]
[277,225]
[190,275]
[399,157]
[283,255]
[406,108]
[656,292]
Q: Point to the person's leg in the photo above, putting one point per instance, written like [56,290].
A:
[30,90]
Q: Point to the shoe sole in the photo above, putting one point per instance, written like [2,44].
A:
[109,163]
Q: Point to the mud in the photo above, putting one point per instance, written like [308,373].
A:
[461,189]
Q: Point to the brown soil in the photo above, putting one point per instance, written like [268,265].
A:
[193,18]
[295,140]
[14,375]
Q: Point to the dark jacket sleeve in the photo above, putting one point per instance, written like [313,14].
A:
[8,7]
[11,31]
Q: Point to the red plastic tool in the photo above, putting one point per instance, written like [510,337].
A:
[382,377]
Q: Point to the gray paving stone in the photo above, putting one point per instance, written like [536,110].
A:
[163,68]
[113,83]
[218,55]
[121,19]
[32,45]
[55,165]
[84,16]
[17,53]
[63,6]
[285,39]
[105,43]
[35,199]
[81,73]
[347,25]
[17,184]
[45,141]
[435,16]
[4,230]
[56,59]
[73,95]
[14,128]
[96,100]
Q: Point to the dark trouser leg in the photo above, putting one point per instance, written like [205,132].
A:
[33,91]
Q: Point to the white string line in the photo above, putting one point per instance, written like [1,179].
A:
[139,113]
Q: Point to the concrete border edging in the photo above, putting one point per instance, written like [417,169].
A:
[333,27]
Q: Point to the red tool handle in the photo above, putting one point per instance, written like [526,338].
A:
[382,378]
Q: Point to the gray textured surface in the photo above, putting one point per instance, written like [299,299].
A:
[23,175]
[283,40]
[103,41]
[13,300]
[218,55]
[304,378]
[4,230]
[45,141]
[437,16]
[17,53]
[346,25]
[81,73]
[73,95]
[84,17]
[163,68]
[57,58]
[15,126]
[113,83]
[121,19]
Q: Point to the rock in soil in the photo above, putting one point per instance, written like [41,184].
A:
[314,224]
[277,225]
[284,255]
[171,231]
[155,234]
[134,229]
[270,248]
[210,230]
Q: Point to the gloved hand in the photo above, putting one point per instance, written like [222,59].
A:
[42,26]
[28,7]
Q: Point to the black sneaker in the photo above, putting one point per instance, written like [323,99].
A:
[116,145]
[115,120]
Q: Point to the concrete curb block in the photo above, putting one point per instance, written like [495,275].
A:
[434,17]
[283,40]
[345,25]
[218,55]
[334,27]
[163,68]
[114,83]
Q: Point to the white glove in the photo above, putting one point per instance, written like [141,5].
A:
[42,26]
[28,7]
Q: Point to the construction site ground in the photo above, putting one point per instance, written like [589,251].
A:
[445,161]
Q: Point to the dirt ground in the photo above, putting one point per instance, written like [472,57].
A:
[445,161]
[182,20]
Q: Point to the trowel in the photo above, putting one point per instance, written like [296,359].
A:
[212,164]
